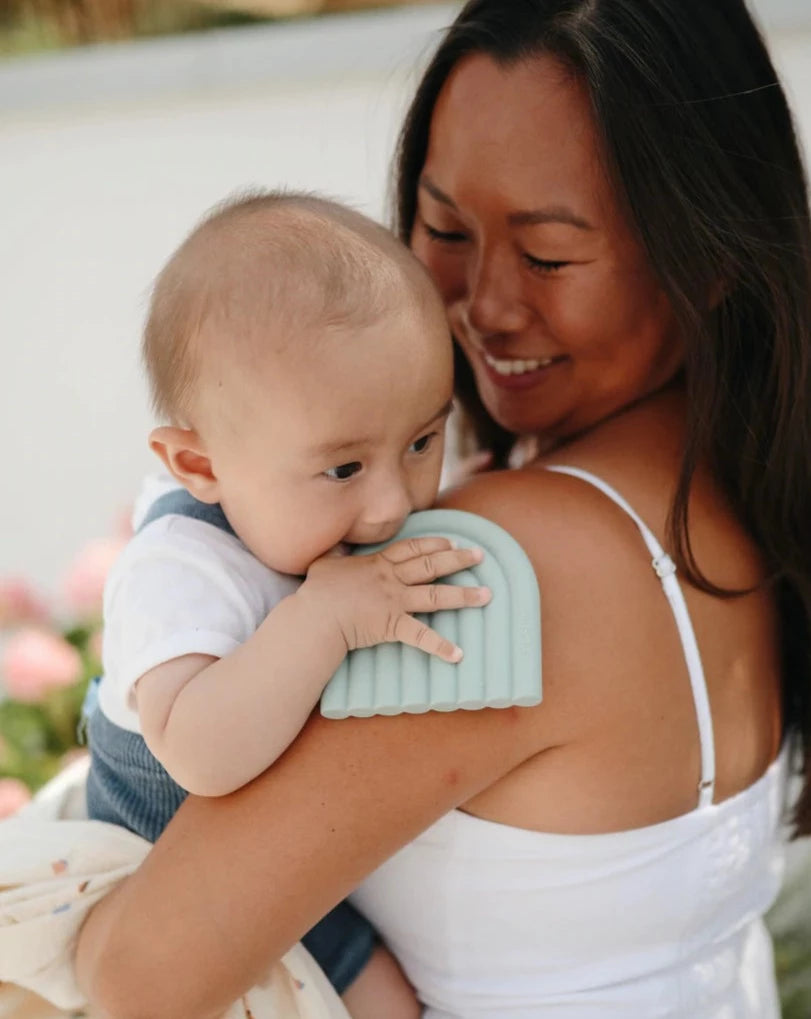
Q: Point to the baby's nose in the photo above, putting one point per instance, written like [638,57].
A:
[384,515]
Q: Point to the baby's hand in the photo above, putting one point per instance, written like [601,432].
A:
[372,598]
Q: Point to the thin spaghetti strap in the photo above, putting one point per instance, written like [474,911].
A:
[665,570]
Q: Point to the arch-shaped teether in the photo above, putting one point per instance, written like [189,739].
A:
[501,642]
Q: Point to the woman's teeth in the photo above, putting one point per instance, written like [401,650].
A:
[516,367]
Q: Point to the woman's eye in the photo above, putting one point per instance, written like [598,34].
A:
[344,471]
[422,444]
[542,265]
[444,236]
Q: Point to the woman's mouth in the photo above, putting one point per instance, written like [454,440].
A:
[518,373]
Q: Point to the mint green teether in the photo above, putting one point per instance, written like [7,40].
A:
[501,642]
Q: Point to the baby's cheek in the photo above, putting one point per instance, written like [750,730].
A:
[428,494]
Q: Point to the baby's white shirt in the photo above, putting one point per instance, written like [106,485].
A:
[181,586]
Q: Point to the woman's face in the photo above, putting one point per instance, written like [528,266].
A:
[547,289]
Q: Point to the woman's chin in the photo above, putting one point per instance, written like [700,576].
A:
[519,421]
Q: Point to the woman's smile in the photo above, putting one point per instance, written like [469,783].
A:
[520,373]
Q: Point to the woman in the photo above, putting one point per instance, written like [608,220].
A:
[609,196]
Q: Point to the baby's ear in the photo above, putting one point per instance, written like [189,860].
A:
[184,453]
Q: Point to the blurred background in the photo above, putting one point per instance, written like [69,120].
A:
[112,150]
[110,153]
[121,122]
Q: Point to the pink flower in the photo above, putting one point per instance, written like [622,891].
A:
[34,661]
[83,586]
[13,795]
[19,603]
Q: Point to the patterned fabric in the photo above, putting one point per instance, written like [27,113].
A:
[54,866]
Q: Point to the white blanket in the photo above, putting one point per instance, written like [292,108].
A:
[54,866]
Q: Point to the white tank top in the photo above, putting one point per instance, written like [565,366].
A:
[663,922]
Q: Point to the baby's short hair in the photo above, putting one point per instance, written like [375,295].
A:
[279,260]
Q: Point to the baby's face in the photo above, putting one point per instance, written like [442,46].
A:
[339,440]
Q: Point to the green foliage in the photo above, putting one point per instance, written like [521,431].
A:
[790,923]
[793,959]
[36,737]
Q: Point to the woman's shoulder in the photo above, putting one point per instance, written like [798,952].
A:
[556,517]
[584,550]
[508,493]
[600,593]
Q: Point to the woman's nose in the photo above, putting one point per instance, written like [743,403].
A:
[495,301]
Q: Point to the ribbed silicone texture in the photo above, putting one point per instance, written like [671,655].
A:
[501,642]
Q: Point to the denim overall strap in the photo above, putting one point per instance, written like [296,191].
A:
[184,504]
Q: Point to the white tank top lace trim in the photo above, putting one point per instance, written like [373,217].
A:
[661,922]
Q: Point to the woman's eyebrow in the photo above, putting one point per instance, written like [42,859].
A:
[528,217]
[550,214]
[428,185]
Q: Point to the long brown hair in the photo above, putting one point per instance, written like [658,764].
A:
[701,146]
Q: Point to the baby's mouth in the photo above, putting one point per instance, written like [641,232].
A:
[342,548]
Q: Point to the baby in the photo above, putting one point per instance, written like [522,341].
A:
[302,359]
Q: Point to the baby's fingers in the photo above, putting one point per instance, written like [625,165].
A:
[416,634]
[437,597]
[410,548]
[422,569]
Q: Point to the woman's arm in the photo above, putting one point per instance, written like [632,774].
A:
[233,883]
[217,723]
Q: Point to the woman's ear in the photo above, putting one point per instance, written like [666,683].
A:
[184,453]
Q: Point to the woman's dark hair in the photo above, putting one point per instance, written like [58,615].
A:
[699,142]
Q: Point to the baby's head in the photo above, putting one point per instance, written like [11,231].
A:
[301,359]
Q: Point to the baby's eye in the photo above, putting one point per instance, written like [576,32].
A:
[344,471]
[422,444]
